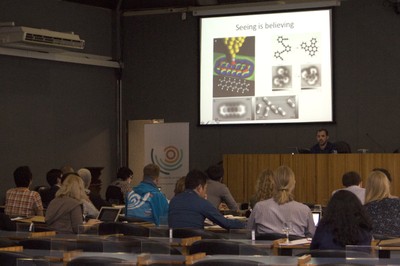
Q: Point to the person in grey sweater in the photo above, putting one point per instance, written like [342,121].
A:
[218,192]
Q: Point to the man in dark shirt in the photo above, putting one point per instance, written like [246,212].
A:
[323,145]
[189,209]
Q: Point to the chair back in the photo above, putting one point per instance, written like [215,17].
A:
[225,247]
[96,261]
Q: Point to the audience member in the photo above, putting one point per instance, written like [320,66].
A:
[218,192]
[383,210]
[53,178]
[189,209]
[66,169]
[388,175]
[345,222]
[20,201]
[352,182]
[65,212]
[179,185]
[264,187]
[117,190]
[94,198]
[323,145]
[88,207]
[269,216]
[146,201]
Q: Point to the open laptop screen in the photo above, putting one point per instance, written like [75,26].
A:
[316,217]
[108,214]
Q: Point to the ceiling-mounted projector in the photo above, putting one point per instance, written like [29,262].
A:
[31,38]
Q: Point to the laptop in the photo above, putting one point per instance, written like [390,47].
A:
[316,217]
[109,214]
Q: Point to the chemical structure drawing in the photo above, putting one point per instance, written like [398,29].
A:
[286,48]
[310,48]
[233,84]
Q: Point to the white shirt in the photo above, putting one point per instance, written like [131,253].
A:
[357,190]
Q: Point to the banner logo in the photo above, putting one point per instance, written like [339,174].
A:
[169,159]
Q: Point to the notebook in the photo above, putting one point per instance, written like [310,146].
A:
[108,214]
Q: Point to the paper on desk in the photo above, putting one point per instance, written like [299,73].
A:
[301,241]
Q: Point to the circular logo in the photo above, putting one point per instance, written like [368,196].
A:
[169,159]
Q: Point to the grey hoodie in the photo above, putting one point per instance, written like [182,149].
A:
[64,214]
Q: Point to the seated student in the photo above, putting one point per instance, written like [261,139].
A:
[65,212]
[383,210]
[118,189]
[264,187]
[345,222]
[352,182]
[269,216]
[21,201]
[146,201]
[179,185]
[323,145]
[218,192]
[189,209]
[53,178]
[88,207]
[388,175]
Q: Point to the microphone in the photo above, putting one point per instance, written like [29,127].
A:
[374,141]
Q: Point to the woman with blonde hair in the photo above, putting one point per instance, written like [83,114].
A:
[65,211]
[264,187]
[282,212]
[383,210]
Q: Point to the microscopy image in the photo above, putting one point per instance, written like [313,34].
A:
[234,67]
[276,107]
[281,78]
[232,109]
[310,76]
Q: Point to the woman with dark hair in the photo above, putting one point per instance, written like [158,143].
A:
[345,222]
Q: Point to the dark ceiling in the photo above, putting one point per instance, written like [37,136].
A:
[132,5]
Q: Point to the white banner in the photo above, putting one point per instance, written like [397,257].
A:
[167,145]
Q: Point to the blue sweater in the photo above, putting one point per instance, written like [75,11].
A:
[189,210]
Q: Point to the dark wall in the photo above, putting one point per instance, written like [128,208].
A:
[161,80]
[52,113]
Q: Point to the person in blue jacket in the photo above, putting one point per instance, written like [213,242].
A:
[189,209]
[146,201]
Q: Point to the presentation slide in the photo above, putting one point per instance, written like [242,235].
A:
[268,68]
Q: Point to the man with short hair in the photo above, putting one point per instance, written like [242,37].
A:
[323,145]
[217,192]
[53,178]
[189,209]
[146,201]
[21,201]
[352,182]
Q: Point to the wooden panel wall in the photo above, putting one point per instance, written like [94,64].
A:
[317,175]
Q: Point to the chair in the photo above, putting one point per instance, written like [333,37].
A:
[226,262]
[191,232]
[225,247]
[6,223]
[123,228]
[335,253]
[342,147]
[60,244]
[275,236]
[10,258]
[96,261]
[114,195]
[138,245]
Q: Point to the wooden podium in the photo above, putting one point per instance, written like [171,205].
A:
[317,175]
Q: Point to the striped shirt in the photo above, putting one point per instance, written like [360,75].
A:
[21,201]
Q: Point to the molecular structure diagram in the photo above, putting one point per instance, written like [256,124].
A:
[312,48]
[310,75]
[286,48]
[281,78]
[233,84]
